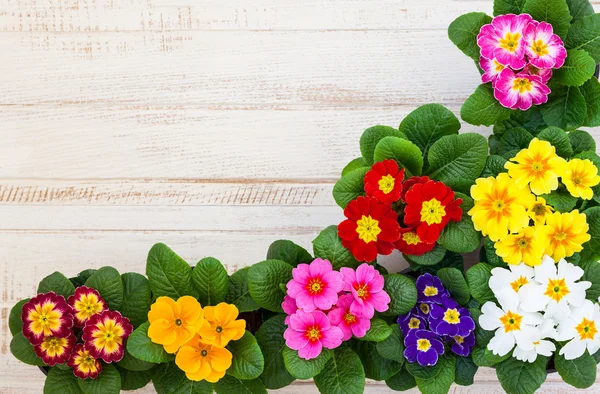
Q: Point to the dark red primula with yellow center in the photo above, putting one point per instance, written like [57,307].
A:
[104,335]
[410,243]
[86,302]
[83,364]
[371,228]
[45,315]
[384,181]
[429,207]
[54,350]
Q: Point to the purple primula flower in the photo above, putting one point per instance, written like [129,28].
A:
[411,321]
[423,346]
[430,289]
[463,345]
[450,319]
[422,309]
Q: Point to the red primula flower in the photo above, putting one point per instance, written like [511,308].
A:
[410,182]
[85,303]
[429,207]
[410,243]
[83,364]
[45,315]
[371,228]
[53,350]
[384,181]
[104,335]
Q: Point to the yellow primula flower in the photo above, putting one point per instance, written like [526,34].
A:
[563,234]
[539,210]
[537,166]
[174,323]
[201,361]
[579,178]
[519,248]
[500,206]
[220,326]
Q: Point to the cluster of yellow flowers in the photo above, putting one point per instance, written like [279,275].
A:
[507,204]
[196,335]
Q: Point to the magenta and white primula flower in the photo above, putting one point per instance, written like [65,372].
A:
[544,49]
[315,286]
[503,40]
[520,90]
[544,73]
[492,69]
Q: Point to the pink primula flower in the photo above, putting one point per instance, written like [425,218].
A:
[315,286]
[544,48]
[366,285]
[310,332]
[491,68]
[341,317]
[503,39]
[289,306]
[520,90]
[544,73]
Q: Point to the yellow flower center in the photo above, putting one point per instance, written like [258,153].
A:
[362,291]
[577,180]
[432,211]
[498,205]
[53,346]
[517,284]
[561,235]
[386,184]
[368,229]
[204,353]
[313,334]
[511,321]
[414,323]
[539,209]
[423,344]
[219,329]
[425,307]
[430,291]
[452,316]
[556,289]
[459,339]
[499,67]
[411,238]
[178,322]
[44,318]
[523,85]
[87,305]
[349,318]
[537,166]
[540,47]
[510,42]
[586,329]
[315,286]
[108,335]
[523,243]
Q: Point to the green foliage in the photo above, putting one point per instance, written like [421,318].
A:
[591,93]
[108,382]
[579,9]
[403,294]
[211,280]
[482,108]
[461,236]
[578,68]
[305,369]
[133,380]
[15,324]
[141,347]
[582,141]
[518,377]
[371,137]
[478,277]
[378,332]
[169,379]
[392,347]
[566,108]
[512,141]
[591,273]
[239,294]
[359,162]
[591,249]
[228,385]
[442,382]
[61,381]
[585,34]
[23,350]
[350,186]
[463,32]
[376,367]
[270,339]
[432,257]
[454,281]
[107,281]
[502,7]
[328,246]
[579,373]
[561,200]
[403,152]
[248,362]
[494,166]
[131,363]
[401,381]
[137,298]
[265,280]
[342,374]
[559,139]
[465,371]
[555,12]
[289,252]
[57,283]
[169,274]
[83,276]
[424,373]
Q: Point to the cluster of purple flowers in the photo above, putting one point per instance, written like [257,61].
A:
[436,321]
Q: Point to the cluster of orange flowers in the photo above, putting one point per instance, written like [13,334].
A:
[196,335]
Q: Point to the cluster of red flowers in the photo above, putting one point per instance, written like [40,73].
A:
[53,325]
[373,225]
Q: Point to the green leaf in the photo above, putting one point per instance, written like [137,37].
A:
[461,236]
[450,260]
[494,166]
[490,252]
[289,252]
[305,369]
[465,371]
[248,362]
[561,200]
[137,298]
[401,381]
[458,160]
[61,381]
[518,377]
[392,347]
[591,249]
[378,332]
[482,108]
[579,9]
[264,280]
[328,246]
[359,162]
[478,277]
[483,357]
[169,274]
[591,273]
[442,382]
[454,281]
[513,141]
[57,283]
[578,68]
[133,364]
[579,373]
[430,258]
[427,124]
[15,324]
[566,108]
[141,347]
[270,339]
[591,93]
[559,139]
[555,12]
[424,373]
[350,186]
[463,32]
[371,137]
[82,277]
[108,382]
[342,374]
[375,366]
[23,350]
[169,379]
[403,294]
[403,152]
[239,294]
[107,281]
[585,34]
[228,385]
[211,280]
[502,7]
[133,380]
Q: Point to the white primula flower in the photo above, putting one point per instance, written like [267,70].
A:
[540,345]
[512,325]
[514,278]
[555,289]
[581,327]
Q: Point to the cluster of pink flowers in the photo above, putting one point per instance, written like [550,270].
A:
[326,307]
[517,56]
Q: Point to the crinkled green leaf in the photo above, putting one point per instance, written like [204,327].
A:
[248,361]
[502,7]
[566,108]
[442,382]
[133,364]
[133,380]
[305,369]
[422,372]
[463,32]
[239,294]
[561,200]
[518,377]
[61,381]
[141,347]
[555,12]
[585,34]
[15,324]
[494,166]
[559,139]
[23,350]
[359,162]
[591,249]
[591,273]
[83,276]
[401,381]
[403,293]
[371,137]
[137,298]
[270,339]
[461,236]
[392,347]
[482,108]
[403,152]
[211,280]
[376,367]
[107,382]
[350,186]
[57,283]
[289,252]
[465,371]
[169,379]
[169,274]
[432,257]
[490,252]
[107,281]
[513,141]
[579,373]
[342,374]
[265,280]
[579,9]
[378,332]
[328,246]
[591,93]
[455,282]
[478,277]
[229,385]
[578,68]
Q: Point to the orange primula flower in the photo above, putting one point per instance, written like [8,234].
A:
[221,325]
[201,361]
[173,323]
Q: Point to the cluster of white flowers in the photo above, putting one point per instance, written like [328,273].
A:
[538,304]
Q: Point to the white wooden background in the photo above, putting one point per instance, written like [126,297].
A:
[213,126]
